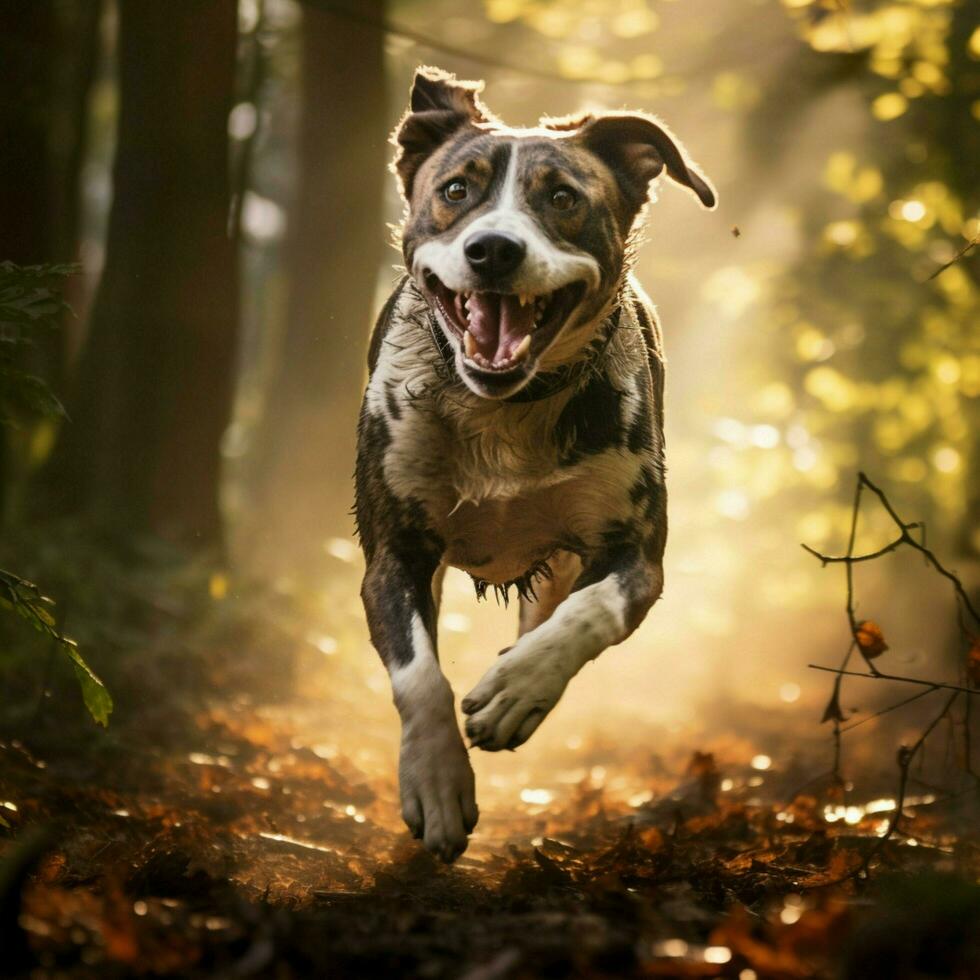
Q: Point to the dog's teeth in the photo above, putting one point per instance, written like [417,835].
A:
[469,343]
[522,348]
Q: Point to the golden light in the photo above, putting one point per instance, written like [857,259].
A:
[343,549]
[323,642]
[789,693]
[537,797]
[889,106]
[456,622]
[733,504]
[973,45]
[947,370]
[946,459]
[717,954]
[671,947]
[913,210]
[790,914]
[765,436]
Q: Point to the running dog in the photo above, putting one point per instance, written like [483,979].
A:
[512,425]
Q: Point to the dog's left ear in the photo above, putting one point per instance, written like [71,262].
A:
[637,149]
[438,107]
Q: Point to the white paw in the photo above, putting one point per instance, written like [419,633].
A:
[436,783]
[513,697]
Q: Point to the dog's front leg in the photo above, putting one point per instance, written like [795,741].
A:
[435,776]
[607,602]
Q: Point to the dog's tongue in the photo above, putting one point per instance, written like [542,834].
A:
[498,323]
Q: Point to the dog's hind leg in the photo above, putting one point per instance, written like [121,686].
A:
[551,591]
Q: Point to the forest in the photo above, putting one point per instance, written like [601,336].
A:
[776,777]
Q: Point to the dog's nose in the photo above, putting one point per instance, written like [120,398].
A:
[494,253]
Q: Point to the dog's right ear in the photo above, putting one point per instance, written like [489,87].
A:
[439,105]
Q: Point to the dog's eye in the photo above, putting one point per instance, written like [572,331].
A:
[455,190]
[564,198]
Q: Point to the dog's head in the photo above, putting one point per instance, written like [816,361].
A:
[518,237]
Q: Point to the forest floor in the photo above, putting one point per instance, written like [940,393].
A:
[226,825]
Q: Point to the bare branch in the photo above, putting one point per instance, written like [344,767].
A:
[965,250]
[879,676]
[834,713]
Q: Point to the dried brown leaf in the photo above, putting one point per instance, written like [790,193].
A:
[870,639]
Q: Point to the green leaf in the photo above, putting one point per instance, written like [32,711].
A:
[97,699]
[26,600]
[23,393]
[42,614]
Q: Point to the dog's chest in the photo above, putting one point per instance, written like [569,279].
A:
[492,488]
[500,498]
[500,539]
[504,485]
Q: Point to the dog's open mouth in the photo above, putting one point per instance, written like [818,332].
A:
[500,331]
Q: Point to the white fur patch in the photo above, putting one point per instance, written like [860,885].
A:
[419,687]
[523,685]
[434,774]
[545,268]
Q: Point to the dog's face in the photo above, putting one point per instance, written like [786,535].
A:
[518,237]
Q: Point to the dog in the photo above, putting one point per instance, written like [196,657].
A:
[512,424]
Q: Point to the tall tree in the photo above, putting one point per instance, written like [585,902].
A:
[26,32]
[334,250]
[152,390]
[48,50]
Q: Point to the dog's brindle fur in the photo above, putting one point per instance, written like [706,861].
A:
[552,483]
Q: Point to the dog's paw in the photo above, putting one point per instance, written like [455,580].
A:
[513,697]
[437,789]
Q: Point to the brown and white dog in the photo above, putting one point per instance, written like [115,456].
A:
[513,421]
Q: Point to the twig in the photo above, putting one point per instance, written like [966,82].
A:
[879,676]
[905,757]
[927,554]
[964,608]
[973,243]
[892,707]
[905,537]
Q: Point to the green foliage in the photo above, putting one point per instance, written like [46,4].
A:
[868,353]
[25,599]
[30,304]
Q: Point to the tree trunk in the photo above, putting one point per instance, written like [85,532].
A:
[335,246]
[27,32]
[153,386]
[48,51]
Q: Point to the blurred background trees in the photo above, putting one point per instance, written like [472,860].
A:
[218,168]
[333,249]
[151,394]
